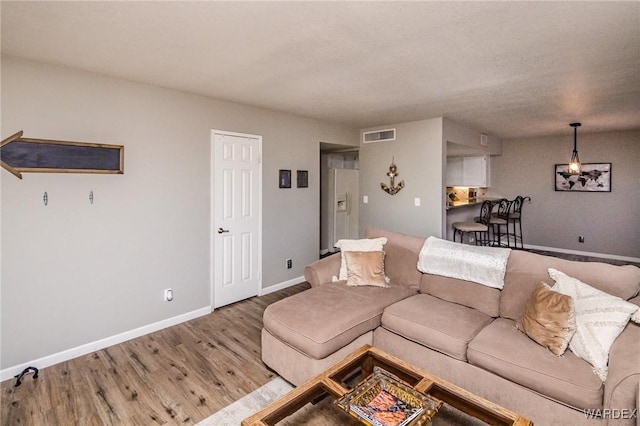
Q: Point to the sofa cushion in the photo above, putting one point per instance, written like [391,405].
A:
[484,299]
[525,270]
[503,350]
[323,319]
[401,256]
[437,324]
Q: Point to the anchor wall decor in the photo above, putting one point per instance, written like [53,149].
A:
[392,189]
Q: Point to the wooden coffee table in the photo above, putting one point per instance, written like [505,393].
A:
[360,364]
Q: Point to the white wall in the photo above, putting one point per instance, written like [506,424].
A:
[419,156]
[467,137]
[609,221]
[74,273]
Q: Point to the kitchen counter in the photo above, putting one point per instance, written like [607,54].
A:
[458,204]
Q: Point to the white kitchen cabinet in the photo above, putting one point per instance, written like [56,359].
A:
[453,172]
[468,171]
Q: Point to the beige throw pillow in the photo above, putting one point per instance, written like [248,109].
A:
[365,268]
[367,244]
[549,319]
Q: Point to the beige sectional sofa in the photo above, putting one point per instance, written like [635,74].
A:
[461,331]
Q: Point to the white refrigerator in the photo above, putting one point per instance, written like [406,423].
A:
[344,202]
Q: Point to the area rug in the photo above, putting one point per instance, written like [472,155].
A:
[232,415]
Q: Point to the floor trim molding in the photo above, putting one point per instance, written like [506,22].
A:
[281,285]
[97,345]
[68,354]
[584,253]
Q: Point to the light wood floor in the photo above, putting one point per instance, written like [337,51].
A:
[176,376]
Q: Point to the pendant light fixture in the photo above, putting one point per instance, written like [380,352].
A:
[574,165]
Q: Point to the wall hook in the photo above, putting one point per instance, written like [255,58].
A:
[91,197]
[45,198]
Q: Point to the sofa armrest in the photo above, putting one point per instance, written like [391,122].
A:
[322,271]
[623,380]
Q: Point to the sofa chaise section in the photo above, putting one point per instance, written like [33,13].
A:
[323,319]
[308,332]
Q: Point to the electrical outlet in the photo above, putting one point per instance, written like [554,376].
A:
[289,263]
[581,239]
[168,295]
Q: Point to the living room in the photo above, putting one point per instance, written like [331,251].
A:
[78,276]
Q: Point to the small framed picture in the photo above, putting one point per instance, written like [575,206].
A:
[284,179]
[594,177]
[303,178]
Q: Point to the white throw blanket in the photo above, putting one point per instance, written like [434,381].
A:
[482,265]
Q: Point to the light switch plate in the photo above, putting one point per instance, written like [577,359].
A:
[416,201]
[365,199]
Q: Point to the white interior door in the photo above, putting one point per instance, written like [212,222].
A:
[237,217]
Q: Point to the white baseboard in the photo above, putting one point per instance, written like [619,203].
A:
[585,253]
[68,354]
[281,285]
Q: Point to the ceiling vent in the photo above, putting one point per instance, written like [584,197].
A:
[379,136]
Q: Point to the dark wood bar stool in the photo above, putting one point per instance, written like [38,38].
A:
[515,218]
[498,220]
[479,228]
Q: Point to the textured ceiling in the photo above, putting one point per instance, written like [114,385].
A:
[512,69]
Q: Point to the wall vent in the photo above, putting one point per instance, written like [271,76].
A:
[379,136]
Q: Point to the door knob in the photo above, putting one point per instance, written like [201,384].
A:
[220,230]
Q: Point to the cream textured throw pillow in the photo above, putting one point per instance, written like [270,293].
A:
[369,244]
[600,318]
[365,268]
[549,319]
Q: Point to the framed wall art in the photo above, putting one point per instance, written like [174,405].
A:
[594,177]
[302,178]
[284,179]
